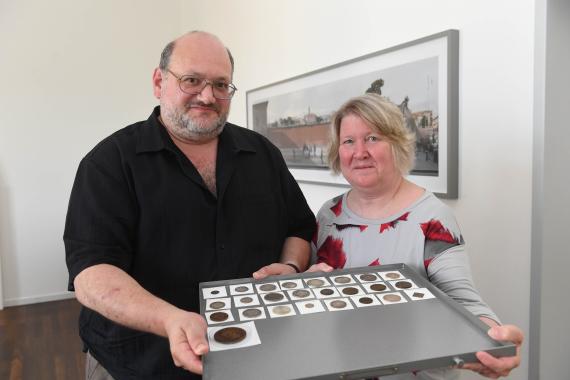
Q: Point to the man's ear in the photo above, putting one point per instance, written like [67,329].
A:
[157,83]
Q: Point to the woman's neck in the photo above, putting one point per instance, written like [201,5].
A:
[384,202]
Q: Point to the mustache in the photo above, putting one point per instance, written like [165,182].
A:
[213,107]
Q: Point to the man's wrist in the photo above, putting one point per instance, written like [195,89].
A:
[294,266]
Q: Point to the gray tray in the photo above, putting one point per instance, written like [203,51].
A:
[358,343]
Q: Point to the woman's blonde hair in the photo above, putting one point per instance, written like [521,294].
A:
[383,117]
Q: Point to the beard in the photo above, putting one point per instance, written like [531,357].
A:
[183,126]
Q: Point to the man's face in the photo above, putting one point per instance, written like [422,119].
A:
[200,117]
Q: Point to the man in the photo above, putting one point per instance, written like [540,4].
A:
[162,205]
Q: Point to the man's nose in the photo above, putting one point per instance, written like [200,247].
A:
[207,94]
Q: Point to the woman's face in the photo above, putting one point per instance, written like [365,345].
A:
[366,158]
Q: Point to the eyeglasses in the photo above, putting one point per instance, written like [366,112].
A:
[193,85]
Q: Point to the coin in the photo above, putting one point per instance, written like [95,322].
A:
[315,282]
[246,300]
[338,304]
[392,297]
[241,289]
[251,313]
[309,305]
[215,292]
[218,316]
[267,287]
[378,287]
[301,293]
[365,300]
[403,285]
[392,275]
[273,297]
[350,291]
[289,284]
[282,309]
[418,295]
[368,277]
[230,335]
[218,305]
[327,292]
[342,280]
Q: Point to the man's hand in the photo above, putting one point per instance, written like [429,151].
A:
[187,337]
[492,367]
[274,269]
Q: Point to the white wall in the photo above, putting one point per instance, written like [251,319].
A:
[72,72]
[275,40]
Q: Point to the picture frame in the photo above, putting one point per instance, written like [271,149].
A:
[420,77]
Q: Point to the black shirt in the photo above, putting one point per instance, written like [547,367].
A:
[138,203]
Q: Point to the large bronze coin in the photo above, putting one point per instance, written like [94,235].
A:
[338,304]
[368,277]
[246,300]
[282,309]
[392,297]
[378,287]
[241,289]
[218,305]
[272,297]
[342,280]
[251,313]
[301,293]
[403,285]
[327,292]
[218,316]
[392,275]
[289,285]
[350,291]
[267,287]
[365,300]
[315,282]
[230,335]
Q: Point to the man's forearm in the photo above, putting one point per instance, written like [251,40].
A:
[117,296]
[296,251]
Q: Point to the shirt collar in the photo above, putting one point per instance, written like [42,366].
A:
[153,137]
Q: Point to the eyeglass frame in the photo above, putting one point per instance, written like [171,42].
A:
[207,82]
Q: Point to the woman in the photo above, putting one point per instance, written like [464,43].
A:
[385,219]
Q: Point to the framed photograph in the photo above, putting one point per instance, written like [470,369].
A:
[420,77]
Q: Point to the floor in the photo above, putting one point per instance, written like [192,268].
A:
[40,341]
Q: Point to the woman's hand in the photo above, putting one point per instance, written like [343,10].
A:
[320,267]
[493,367]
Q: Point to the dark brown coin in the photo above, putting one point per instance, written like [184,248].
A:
[230,335]
[251,313]
[214,292]
[418,295]
[327,292]
[378,287]
[301,293]
[338,304]
[342,280]
[315,282]
[350,291]
[289,285]
[272,297]
[393,275]
[403,285]
[309,305]
[368,277]
[392,297]
[246,300]
[218,305]
[241,289]
[218,316]
[282,309]
[365,300]
[267,287]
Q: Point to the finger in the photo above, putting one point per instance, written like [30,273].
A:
[499,365]
[261,273]
[320,267]
[508,333]
[196,336]
[183,355]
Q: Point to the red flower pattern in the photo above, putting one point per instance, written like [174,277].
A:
[332,253]
[337,208]
[393,223]
[434,230]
